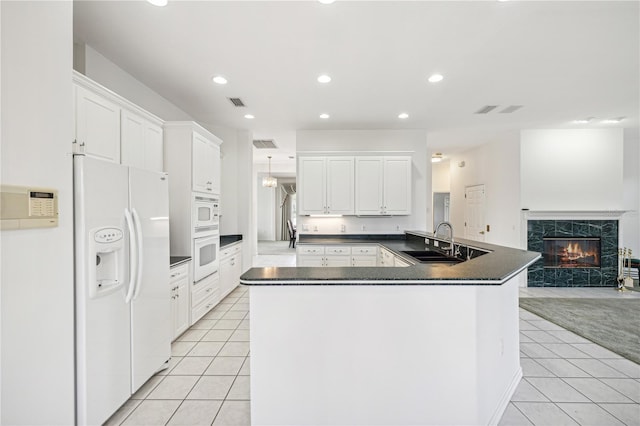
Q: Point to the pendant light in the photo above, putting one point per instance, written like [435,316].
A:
[269,181]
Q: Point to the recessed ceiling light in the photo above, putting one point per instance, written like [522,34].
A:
[219,79]
[434,78]
[249,116]
[583,120]
[160,3]
[324,78]
[613,120]
[325,116]
[403,115]
[326,1]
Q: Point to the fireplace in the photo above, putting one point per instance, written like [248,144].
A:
[574,252]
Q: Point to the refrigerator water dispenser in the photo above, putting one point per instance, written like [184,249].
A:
[106,257]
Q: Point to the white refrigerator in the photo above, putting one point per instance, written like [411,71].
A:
[121,283]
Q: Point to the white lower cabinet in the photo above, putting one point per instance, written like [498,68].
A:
[385,257]
[230,268]
[179,285]
[335,256]
[400,262]
[205,294]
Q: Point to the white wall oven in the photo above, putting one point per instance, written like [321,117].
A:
[206,259]
[206,213]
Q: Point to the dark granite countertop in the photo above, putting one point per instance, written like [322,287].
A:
[493,268]
[176,260]
[225,240]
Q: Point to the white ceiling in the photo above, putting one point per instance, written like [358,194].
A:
[561,60]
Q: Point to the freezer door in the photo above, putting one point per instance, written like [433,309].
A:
[150,308]
[102,316]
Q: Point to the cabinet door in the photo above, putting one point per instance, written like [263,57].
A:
[237,271]
[153,147]
[132,142]
[397,185]
[311,192]
[182,307]
[317,261]
[226,276]
[340,185]
[215,169]
[202,164]
[97,125]
[357,260]
[337,261]
[369,185]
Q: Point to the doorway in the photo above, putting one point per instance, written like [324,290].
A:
[440,208]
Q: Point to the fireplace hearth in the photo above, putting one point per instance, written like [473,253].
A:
[576,253]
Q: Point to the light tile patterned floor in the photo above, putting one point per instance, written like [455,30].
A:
[567,379]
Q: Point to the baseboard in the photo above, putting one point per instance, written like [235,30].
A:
[506,397]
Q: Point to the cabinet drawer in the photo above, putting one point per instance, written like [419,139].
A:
[230,250]
[337,250]
[310,249]
[364,250]
[204,288]
[199,311]
[179,272]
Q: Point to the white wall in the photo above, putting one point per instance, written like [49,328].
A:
[102,70]
[441,176]
[37,265]
[630,221]
[496,165]
[572,169]
[380,141]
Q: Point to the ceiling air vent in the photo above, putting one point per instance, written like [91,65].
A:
[510,109]
[486,109]
[237,102]
[264,143]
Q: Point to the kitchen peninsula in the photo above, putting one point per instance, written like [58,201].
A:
[431,343]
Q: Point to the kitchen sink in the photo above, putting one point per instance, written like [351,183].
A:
[432,257]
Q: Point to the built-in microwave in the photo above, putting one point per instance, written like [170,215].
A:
[206,213]
[205,256]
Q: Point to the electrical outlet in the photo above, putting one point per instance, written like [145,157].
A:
[343,228]
[436,243]
[305,227]
[315,228]
[397,227]
[364,228]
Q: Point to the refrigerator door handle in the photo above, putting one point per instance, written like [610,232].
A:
[138,223]
[133,248]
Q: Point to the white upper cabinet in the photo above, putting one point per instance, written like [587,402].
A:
[326,185]
[97,125]
[369,185]
[141,142]
[397,185]
[383,186]
[206,165]
[112,128]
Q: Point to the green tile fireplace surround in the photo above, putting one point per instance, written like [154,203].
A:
[602,276]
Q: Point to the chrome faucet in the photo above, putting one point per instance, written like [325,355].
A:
[435,234]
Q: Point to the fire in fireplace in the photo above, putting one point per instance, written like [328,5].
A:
[571,252]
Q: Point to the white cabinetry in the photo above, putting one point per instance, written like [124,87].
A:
[338,255]
[205,294]
[206,164]
[400,262]
[385,257]
[141,142]
[326,185]
[179,285]
[97,125]
[184,143]
[109,127]
[230,268]
[383,186]
[364,256]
